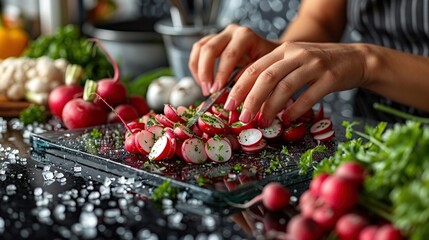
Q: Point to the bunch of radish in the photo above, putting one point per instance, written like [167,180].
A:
[216,134]
[79,110]
[331,205]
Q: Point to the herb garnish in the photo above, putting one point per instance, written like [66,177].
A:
[306,159]
[33,113]
[164,191]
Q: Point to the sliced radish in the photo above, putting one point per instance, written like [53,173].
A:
[250,137]
[323,137]
[320,114]
[160,149]
[275,130]
[161,118]
[157,130]
[196,130]
[211,124]
[173,143]
[130,145]
[255,148]
[181,110]
[179,144]
[218,110]
[144,140]
[321,126]
[193,151]
[171,113]
[234,116]
[135,124]
[218,149]
[295,132]
[237,127]
[235,145]
[169,133]
[182,132]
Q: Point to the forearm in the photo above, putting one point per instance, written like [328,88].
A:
[308,30]
[396,75]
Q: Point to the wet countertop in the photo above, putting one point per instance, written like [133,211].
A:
[39,201]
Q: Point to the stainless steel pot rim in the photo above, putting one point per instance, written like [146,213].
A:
[166,27]
[121,36]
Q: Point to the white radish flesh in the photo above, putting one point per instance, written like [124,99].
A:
[321,126]
[250,137]
[182,132]
[218,149]
[161,118]
[160,149]
[144,140]
[323,137]
[273,131]
[171,113]
[156,130]
[255,148]
[193,151]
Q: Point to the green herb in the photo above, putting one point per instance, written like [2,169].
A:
[284,150]
[237,167]
[164,191]
[95,134]
[33,114]
[306,159]
[201,181]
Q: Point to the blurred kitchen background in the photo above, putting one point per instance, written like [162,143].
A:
[126,26]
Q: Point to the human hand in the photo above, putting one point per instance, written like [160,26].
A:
[235,46]
[268,84]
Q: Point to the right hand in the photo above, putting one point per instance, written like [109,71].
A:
[235,46]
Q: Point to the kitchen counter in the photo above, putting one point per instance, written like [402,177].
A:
[39,201]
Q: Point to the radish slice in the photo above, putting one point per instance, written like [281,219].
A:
[255,148]
[218,110]
[250,137]
[218,149]
[171,113]
[182,132]
[320,114]
[130,145]
[161,118]
[173,143]
[237,127]
[193,151]
[235,145]
[323,137]
[144,140]
[157,130]
[160,149]
[168,132]
[211,124]
[179,144]
[275,130]
[321,126]
[234,116]
[196,130]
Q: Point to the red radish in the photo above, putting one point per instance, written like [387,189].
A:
[302,228]
[237,127]
[324,137]
[144,140]
[307,116]
[350,225]
[316,183]
[211,124]
[320,114]
[156,130]
[368,232]
[326,217]
[219,111]
[234,116]
[339,193]
[182,110]
[193,151]
[197,131]
[171,113]
[295,133]
[161,149]
[161,118]
[173,143]
[218,149]
[388,232]
[130,145]
[78,113]
[135,124]
[111,89]
[274,131]
[250,137]
[139,103]
[353,171]
[308,203]
[182,132]
[222,98]
[169,132]
[321,126]
[235,145]
[60,96]
[205,137]
[255,148]
[126,111]
[179,145]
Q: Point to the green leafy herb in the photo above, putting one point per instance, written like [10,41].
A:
[306,159]
[32,114]
[284,150]
[201,181]
[95,134]
[237,167]
[164,191]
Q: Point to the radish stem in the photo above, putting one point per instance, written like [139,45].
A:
[112,61]
[245,205]
[89,90]
[400,114]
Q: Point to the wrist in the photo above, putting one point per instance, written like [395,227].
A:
[373,65]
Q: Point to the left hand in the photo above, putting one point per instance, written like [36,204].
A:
[268,84]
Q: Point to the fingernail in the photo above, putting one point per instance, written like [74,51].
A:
[229,104]
[263,122]
[245,116]
[205,88]
[214,88]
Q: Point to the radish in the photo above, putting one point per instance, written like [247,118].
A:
[211,124]
[126,111]
[160,149]
[321,126]
[250,137]
[320,114]
[182,132]
[274,131]
[302,228]
[156,130]
[295,133]
[368,232]
[388,232]
[235,145]
[178,149]
[111,89]
[218,149]
[234,116]
[181,110]
[308,203]
[173,143]
[324,137]
[353,171]
[339,193]
[350,225]
[144,140]
[193,151]
[196,130]
[326,217]
[161,118]
[60,96]
[237,127]
[135,124]
[139,103]
[255,148]
[218,110]
[130,145]
[81,113]
[316,183]
[171,113]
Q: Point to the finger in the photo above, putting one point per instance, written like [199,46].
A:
[195,54]
[283,92]
[232,56]
[266,84]
[309,98]
[206,62]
